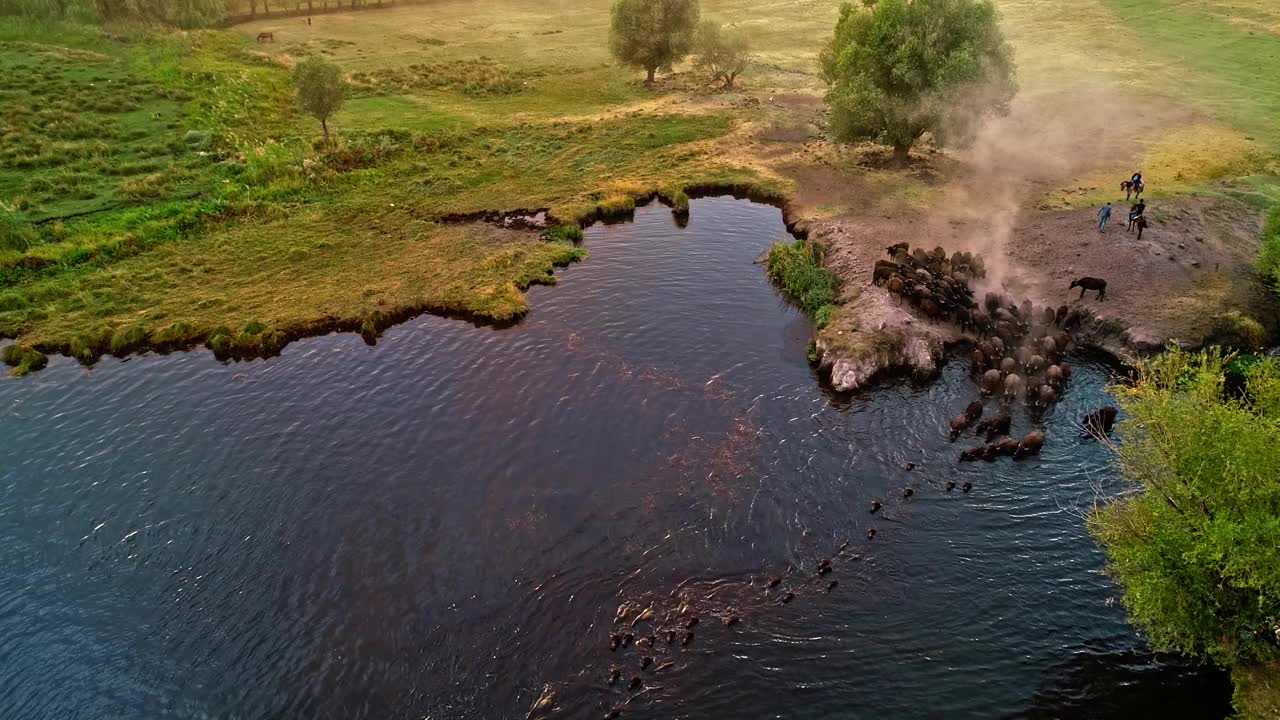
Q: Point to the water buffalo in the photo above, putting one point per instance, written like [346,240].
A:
[997,424]
[1035,364]
[973,410]
[1054,375]
[1003,446]
[884,270]
[1090,283]
[1008,365]
[981,322]
[1100,421]
[958,424]
[1030,444]
[896,286]
[1012,384]
[997,344]
[1060,315]
[1049,347]
[991,381]
[1047,396]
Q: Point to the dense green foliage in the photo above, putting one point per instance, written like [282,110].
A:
[182,13]
[320,89]
[1268,264]
[721,54]
[1195,549]
[652,34]
[897,69]
[797,269]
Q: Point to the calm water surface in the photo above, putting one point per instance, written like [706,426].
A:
[438,526]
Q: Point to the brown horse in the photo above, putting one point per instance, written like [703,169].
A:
[266,37]
[1131,189]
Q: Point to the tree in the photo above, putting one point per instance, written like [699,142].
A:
[722,54]
[652,34]
[897,69]
[320,90]
[1196,549]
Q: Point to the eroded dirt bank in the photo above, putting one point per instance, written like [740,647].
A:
[1015,198]
[1191,265]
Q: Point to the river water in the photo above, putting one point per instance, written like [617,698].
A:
[443,524]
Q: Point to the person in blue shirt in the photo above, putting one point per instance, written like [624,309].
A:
[1103,216]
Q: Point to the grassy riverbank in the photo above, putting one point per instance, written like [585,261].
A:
[159,188]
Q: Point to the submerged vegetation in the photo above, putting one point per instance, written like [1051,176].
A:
[797,269]
[1195,547]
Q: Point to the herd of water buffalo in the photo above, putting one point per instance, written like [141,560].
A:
[1020,348]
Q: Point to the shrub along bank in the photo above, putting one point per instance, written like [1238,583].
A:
[1195,547]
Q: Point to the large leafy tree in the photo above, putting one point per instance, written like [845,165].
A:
[1197,548]
[319,89]
[652,34]
[898,69]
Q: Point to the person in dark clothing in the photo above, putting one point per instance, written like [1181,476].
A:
[1135,212]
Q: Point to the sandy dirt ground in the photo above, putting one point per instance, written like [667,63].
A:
[1011,197]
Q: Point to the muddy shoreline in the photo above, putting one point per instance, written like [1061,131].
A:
[1193,266]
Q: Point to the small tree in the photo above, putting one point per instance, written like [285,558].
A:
[897,69]
[320,90]
[723,55]
[652,34]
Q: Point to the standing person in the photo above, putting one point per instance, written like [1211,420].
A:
[1103,216]
[1136,212]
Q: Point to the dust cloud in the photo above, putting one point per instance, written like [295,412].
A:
[1013,160]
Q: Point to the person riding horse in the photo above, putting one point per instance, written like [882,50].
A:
[1133,186]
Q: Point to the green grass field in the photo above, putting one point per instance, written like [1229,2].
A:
[162,190]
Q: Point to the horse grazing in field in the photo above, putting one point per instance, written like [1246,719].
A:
[266,37]
[1131,188]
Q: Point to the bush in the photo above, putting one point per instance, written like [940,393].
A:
[1195,548]
[568,232]
[680,203]
[196,139]
[1268,262]
[822,317]
[15,233]
[1237,331]
[151,185]
[795,268]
